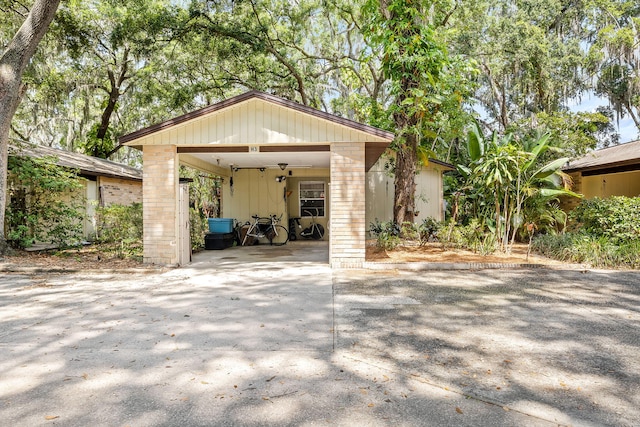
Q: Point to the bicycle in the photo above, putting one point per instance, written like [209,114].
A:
[314,231]
[266,227]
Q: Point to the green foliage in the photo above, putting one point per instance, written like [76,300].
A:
[598,251]
[43,203]
[507,184]
[122,225]
[428,230]
[98,147]
[198,228]
[616,218]
[204,202]
[475,236]
[387,234]
[428,85]
[604,233]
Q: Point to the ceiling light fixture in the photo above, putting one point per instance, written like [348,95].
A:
[283,166]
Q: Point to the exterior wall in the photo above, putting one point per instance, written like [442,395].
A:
[429,197]
[119,191]
[159,204]
[348,188]
[381,188]
[602,186]
[613,184]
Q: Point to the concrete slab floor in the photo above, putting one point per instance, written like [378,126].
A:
[253,344]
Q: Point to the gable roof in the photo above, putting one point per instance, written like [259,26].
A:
[271,99]
[87,165]
[618,156]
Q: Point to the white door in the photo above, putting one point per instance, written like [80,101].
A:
[184,237]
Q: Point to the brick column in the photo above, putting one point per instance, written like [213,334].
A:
[347,211]
[159,204]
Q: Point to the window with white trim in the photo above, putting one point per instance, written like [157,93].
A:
[312,200]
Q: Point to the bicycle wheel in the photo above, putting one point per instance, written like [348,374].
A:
[282,233]
[318,232]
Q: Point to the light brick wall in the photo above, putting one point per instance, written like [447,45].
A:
[120,191]
[347,213]
[160,207]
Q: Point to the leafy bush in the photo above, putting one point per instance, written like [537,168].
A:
[475,236]
[617,218]
[598,251]
[121,224]
[199,227]
[44,203]
[387,234]
[428,230]
[604,233]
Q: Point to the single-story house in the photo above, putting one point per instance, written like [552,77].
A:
[275,156]
[612,171]
[105,182]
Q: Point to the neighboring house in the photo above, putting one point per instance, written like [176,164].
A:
[429,191]
[105,182]
[613,171]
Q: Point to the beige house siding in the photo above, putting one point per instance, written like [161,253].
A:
[381,189]
[255,122]
[119,191]
[348,189]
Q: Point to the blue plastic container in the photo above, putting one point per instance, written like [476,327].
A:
[220,225]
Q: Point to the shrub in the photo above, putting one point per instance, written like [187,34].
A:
[43,203]
[387,234]
[598,251]
[474,236]
[603,233]
[428,230]
[121,224]
[198,228]
[617,218]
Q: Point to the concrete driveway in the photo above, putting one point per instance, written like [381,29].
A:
[297,344]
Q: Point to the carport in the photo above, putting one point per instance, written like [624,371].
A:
[275,157]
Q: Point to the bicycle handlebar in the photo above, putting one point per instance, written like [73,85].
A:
[272,217]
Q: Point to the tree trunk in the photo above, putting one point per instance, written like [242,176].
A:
[405,180]
[13,63]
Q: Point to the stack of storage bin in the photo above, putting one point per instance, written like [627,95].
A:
[220,234]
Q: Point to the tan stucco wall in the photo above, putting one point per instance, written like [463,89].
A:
[348,191]
[159,204]
[602,186]
[120,191]
[616,184]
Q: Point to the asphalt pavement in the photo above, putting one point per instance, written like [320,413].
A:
[262,337]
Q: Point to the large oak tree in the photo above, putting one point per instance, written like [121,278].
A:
[13,62]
